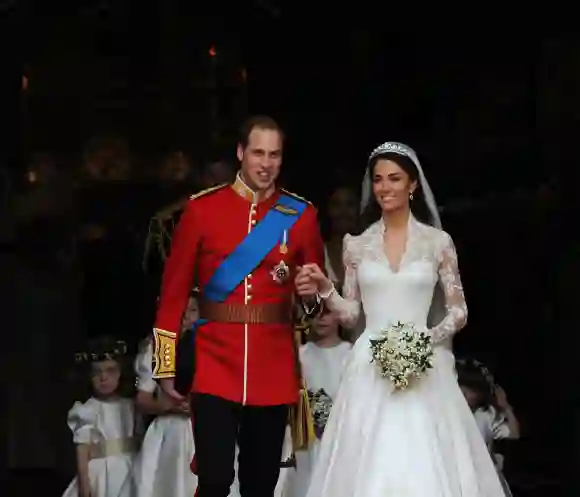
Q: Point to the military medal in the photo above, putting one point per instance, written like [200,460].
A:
[280,273]
[284,244]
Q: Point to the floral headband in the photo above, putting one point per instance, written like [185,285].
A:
[112,351]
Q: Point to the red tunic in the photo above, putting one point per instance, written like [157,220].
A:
[252,364]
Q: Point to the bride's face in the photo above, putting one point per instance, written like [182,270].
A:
[392,186]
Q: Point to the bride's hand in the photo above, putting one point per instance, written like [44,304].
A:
[311,280]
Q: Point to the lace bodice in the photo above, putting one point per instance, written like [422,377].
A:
[405,294]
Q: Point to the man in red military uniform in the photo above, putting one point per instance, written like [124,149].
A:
[242,244]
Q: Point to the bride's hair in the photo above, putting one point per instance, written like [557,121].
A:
[372,212]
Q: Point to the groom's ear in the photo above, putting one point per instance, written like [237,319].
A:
[240,152]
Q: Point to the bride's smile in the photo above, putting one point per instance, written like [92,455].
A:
[392,185]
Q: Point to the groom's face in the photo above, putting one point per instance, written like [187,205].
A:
[261,158]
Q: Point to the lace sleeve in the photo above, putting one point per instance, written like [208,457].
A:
[348,306]
[450,281]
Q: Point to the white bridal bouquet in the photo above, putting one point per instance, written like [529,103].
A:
[402,353]
[320,405]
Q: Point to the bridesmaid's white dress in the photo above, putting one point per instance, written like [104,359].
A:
[163,466]
[422,442]
[110,428]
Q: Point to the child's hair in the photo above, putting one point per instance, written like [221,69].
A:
[474,375]
[101,349]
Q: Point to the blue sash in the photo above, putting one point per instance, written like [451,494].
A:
[254,248]
[248,255]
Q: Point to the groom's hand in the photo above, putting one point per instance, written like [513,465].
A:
[309,280]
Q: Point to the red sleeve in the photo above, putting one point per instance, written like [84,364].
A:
[312,250]
[179,271]
[176,286]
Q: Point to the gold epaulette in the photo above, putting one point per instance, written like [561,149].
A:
[295,196]
[207,190]
[164,355]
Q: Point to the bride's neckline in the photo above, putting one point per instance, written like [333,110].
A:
[396,268]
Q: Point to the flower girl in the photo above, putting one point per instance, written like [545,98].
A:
[104,428]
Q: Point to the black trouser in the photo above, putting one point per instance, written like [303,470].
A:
[259,432]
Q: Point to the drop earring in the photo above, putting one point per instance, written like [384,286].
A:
[411,196]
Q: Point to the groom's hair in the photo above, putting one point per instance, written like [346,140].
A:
[259,122]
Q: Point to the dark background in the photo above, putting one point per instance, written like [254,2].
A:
[491,106]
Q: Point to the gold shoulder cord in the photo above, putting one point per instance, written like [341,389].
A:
[292,194]
[206,191]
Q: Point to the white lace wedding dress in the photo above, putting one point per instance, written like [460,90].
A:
[421,442]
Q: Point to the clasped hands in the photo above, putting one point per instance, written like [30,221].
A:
[310,281]
[171,405]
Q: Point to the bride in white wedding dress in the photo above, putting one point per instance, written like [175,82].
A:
[420,442]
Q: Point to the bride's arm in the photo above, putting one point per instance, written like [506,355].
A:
[450,280]
[347,307]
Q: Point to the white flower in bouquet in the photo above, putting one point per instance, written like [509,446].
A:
[402,354]
[320,405]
